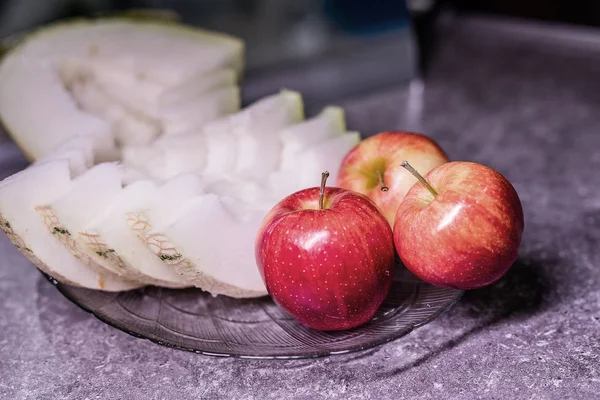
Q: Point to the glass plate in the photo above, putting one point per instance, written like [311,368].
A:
[192,320]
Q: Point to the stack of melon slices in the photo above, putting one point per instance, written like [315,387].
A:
[120,81]
[145,170]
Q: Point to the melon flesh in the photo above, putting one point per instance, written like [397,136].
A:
[76,153]
[329,123]
[106,79]
[168,156]
[132,174]
[41,119]
[195,113]
[123,245]
[246,143]
[89,196]
[243,198]
[259,146]
[197,86]
[325,156]
[79,151]
[221,149]
[23,225]
[166,205]
[141,96]
[137,157]
[211,248]
[164,53]
[128,126]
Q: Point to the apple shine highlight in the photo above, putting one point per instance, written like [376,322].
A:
[468,235]
[329,268]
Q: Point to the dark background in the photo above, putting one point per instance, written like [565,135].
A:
[581,12]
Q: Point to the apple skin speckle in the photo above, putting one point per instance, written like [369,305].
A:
[330,269]
[468,236]
[382,154]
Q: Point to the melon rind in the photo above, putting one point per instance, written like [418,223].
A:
[165,53]
[22,223]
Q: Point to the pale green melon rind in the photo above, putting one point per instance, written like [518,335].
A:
[13,46]
[237,45]
[8,43]
[142,14]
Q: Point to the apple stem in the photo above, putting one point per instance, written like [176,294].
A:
[380,177]
[417,175]
[324,177]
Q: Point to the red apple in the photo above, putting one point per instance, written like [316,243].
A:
[460,227]
[372,167]
[326,256]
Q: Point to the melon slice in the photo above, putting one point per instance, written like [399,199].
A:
[113,238]
[236,144]
[135,93]
[168,156]
[246,143]
[165,53]
[197,86]
[78,151]
[329,123]
[259,147]
[325,156]
[165,205]
[181,118]
[127,66]
[23,225]
[211,248]
[132,174]
[41,119]
[89,196]
[221,149]
[137,157]
[129,126]
[243,198]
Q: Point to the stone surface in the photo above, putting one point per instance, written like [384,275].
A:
[530,111]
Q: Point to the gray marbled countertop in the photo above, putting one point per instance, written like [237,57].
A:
[531,111]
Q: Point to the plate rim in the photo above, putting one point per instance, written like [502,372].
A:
[317,354]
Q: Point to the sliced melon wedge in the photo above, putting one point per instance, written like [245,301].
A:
[130,90]
[329,123]
[195,113]
[127,65]
[112,237]
[325,156]
[168,156]
[259,147]
[197,86]
[221,149]
[165,53]
[128,126]
[23,225]
[246,143]
[243,198]
[166,205]
[41,119]
[78,151]
[211,248]
[89,196]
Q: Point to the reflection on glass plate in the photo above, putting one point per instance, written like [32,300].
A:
[221,326]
